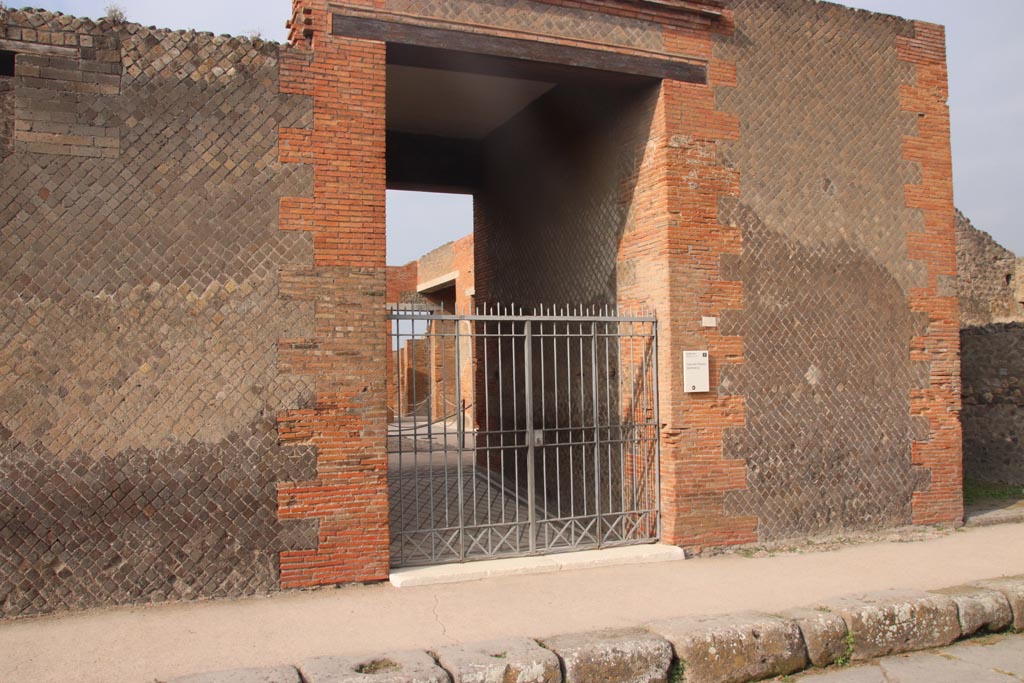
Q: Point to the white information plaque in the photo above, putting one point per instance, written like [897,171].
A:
[696,372]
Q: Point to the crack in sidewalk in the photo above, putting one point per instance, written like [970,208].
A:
[437,618]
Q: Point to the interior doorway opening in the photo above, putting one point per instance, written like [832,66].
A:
[522,400]
[420,222]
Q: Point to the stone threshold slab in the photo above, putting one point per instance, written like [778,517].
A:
[544,564]
[990,513]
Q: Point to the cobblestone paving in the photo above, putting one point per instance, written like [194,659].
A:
[994,659]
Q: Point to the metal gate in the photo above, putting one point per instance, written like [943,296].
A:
[520,434]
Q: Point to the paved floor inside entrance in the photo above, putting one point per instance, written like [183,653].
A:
[424,481]
[434,478]
[989,512]
[138,644]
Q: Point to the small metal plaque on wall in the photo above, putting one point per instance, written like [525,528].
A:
[696,372]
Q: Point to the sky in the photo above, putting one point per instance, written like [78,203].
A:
[986,73]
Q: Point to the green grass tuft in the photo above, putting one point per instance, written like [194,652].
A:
[677,672]
[847,657]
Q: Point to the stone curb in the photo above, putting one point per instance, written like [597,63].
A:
[736,648]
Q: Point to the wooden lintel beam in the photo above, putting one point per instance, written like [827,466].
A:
[529,50]
[708,8]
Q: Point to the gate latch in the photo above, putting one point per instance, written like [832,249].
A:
[538,437]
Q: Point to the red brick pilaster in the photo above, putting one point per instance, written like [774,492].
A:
[347,353]
[678,242]
[939,347]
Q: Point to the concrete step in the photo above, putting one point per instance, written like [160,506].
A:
[544,564]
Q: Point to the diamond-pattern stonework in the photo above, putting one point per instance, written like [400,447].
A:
[188,521]
[826,319]
[139,387]
[538,18]
[828,422]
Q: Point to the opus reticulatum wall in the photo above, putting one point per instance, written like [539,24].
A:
[194,395]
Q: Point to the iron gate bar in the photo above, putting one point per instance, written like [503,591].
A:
[531,441]
[504,502]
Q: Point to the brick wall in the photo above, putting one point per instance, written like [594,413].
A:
[845,396]
[140,290]
[346,354]
[938,446]
[463,262]
[623,27]
[438,262]
[196,255]
[401,282]
[815,226]
[451,259]
[1019,281]
[400,287]
[697,473]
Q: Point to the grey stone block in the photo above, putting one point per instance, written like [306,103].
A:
[391,667]
[279,674]
[616,656]
[734,648]
[980,609]
[515,660]
[824,634]
[29,70]
[56,74]
[1012,589]
[63,63]
[96,67]
[32,100]
[892,622]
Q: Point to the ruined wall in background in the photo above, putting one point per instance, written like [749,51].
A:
[837,294]
[993,414]
[989,283]
[437,263]
[401,283]
[992,341]
[139,388]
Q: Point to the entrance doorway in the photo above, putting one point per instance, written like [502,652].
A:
[529,426]
[556,449]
